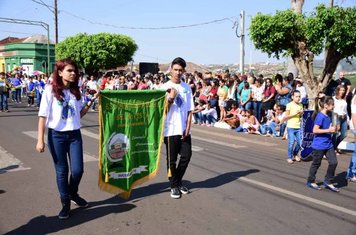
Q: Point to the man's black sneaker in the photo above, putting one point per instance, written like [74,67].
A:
[79,201]
[183,189]
[64,213]
[175,193]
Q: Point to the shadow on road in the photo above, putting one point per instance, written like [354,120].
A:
[8,168]
[214,182]
[222,179]
[340,179]
[45,225]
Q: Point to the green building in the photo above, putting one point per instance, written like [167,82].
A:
[29,54]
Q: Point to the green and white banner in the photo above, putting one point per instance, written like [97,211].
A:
[131,132]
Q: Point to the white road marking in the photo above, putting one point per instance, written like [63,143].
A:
[299,196]
[218,142]
[90,134]
[86,157]
[232,136]
[8,162]
[197,148]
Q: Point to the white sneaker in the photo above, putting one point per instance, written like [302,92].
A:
[175,193]
[353,178]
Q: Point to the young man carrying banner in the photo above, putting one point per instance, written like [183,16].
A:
[177,127]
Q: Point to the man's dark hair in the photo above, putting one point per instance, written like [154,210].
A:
[179,61]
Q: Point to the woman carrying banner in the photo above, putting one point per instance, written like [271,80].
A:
[322,144]
[60,111]
[177,127]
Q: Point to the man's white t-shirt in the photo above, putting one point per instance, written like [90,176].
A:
[176,118]
[61,115]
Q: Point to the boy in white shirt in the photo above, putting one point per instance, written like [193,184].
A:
[177,127]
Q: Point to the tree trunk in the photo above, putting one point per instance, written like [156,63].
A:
[332,59]
[297,6]
[303,59]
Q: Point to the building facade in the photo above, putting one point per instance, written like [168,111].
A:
[28,54]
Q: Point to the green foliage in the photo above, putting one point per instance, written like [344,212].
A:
[332,27]
[278,33]
[326,27]
[99,51]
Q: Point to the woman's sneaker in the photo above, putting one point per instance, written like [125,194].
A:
[175,193]
[79,201]
[64,213]
[353,178]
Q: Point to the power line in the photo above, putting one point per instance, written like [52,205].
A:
[150,28]
[52,9]
[44,4]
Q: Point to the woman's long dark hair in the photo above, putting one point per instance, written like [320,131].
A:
[57,83]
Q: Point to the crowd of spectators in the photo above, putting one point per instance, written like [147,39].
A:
[243,102]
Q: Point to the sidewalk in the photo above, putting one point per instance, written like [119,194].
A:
[350,137]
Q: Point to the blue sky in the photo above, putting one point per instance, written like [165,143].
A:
[213,43]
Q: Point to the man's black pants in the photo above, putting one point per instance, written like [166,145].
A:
[174,146]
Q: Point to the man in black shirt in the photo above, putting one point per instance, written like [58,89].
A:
[347,84]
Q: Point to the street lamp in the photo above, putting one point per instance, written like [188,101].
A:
[31,22]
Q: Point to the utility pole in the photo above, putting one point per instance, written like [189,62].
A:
[56,20]
[242,42]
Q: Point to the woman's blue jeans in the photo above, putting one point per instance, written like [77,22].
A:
[293,136]
[63,146]
[213,103]
[352,167]
[280,133]
[3,101]
[18,94]
[342,121]
[257,107]
[247,106]
[210,119]
[199,118]
[38,98]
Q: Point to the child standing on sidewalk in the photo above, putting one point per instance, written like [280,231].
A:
[322,144]
[294,111]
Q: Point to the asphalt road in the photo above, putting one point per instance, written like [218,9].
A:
[241,184]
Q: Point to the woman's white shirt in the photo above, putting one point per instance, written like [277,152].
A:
[340,106]
[61,115]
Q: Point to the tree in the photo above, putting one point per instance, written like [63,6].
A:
[297,6]
[302,37]
[98,51]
